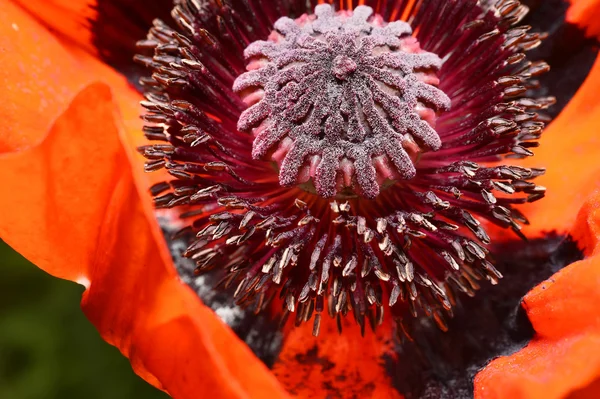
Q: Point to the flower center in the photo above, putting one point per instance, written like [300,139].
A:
[342,102]
[343,66]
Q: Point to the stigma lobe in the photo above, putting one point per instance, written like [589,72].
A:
[342,102]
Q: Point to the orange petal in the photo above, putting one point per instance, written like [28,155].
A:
[565,353]
[334,365]
[71,207]
[589,392]
[569,151]
[69,18]
[38,76]
[112,25]
[585,14]
[128,100]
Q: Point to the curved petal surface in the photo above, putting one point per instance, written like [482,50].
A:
[127,100]
[564,356]
[563,359]
[68,18]
[107,29]
[569,151]
[35,88]
[585,14]
[75,212]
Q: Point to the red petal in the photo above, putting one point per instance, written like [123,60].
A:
[585,14]
[336,365]
[74,211]
[565,353]
[129,108]
[38,76]
[564,357]
[68,18]
[101,27]
[589,392]
[569,152]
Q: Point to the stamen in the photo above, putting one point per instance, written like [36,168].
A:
[345,104]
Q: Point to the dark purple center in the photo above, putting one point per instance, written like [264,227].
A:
[343,104]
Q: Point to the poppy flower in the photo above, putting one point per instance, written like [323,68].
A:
[317,169]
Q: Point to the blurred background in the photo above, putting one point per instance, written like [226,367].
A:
[48,349]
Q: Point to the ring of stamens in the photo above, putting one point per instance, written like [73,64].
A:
[419,243]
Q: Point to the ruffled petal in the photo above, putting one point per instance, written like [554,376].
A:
[67,18]
[585,14]
[35,89]
[108,29]
[74,211]
[128,100]
[569,151]
[565,354]
[336,365]
[563,360]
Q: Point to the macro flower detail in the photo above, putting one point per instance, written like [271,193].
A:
[363,92]
[341,165]
[214,283]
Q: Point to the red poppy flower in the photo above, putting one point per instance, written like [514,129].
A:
[390,219]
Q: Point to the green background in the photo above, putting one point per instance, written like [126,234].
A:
[48,349]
